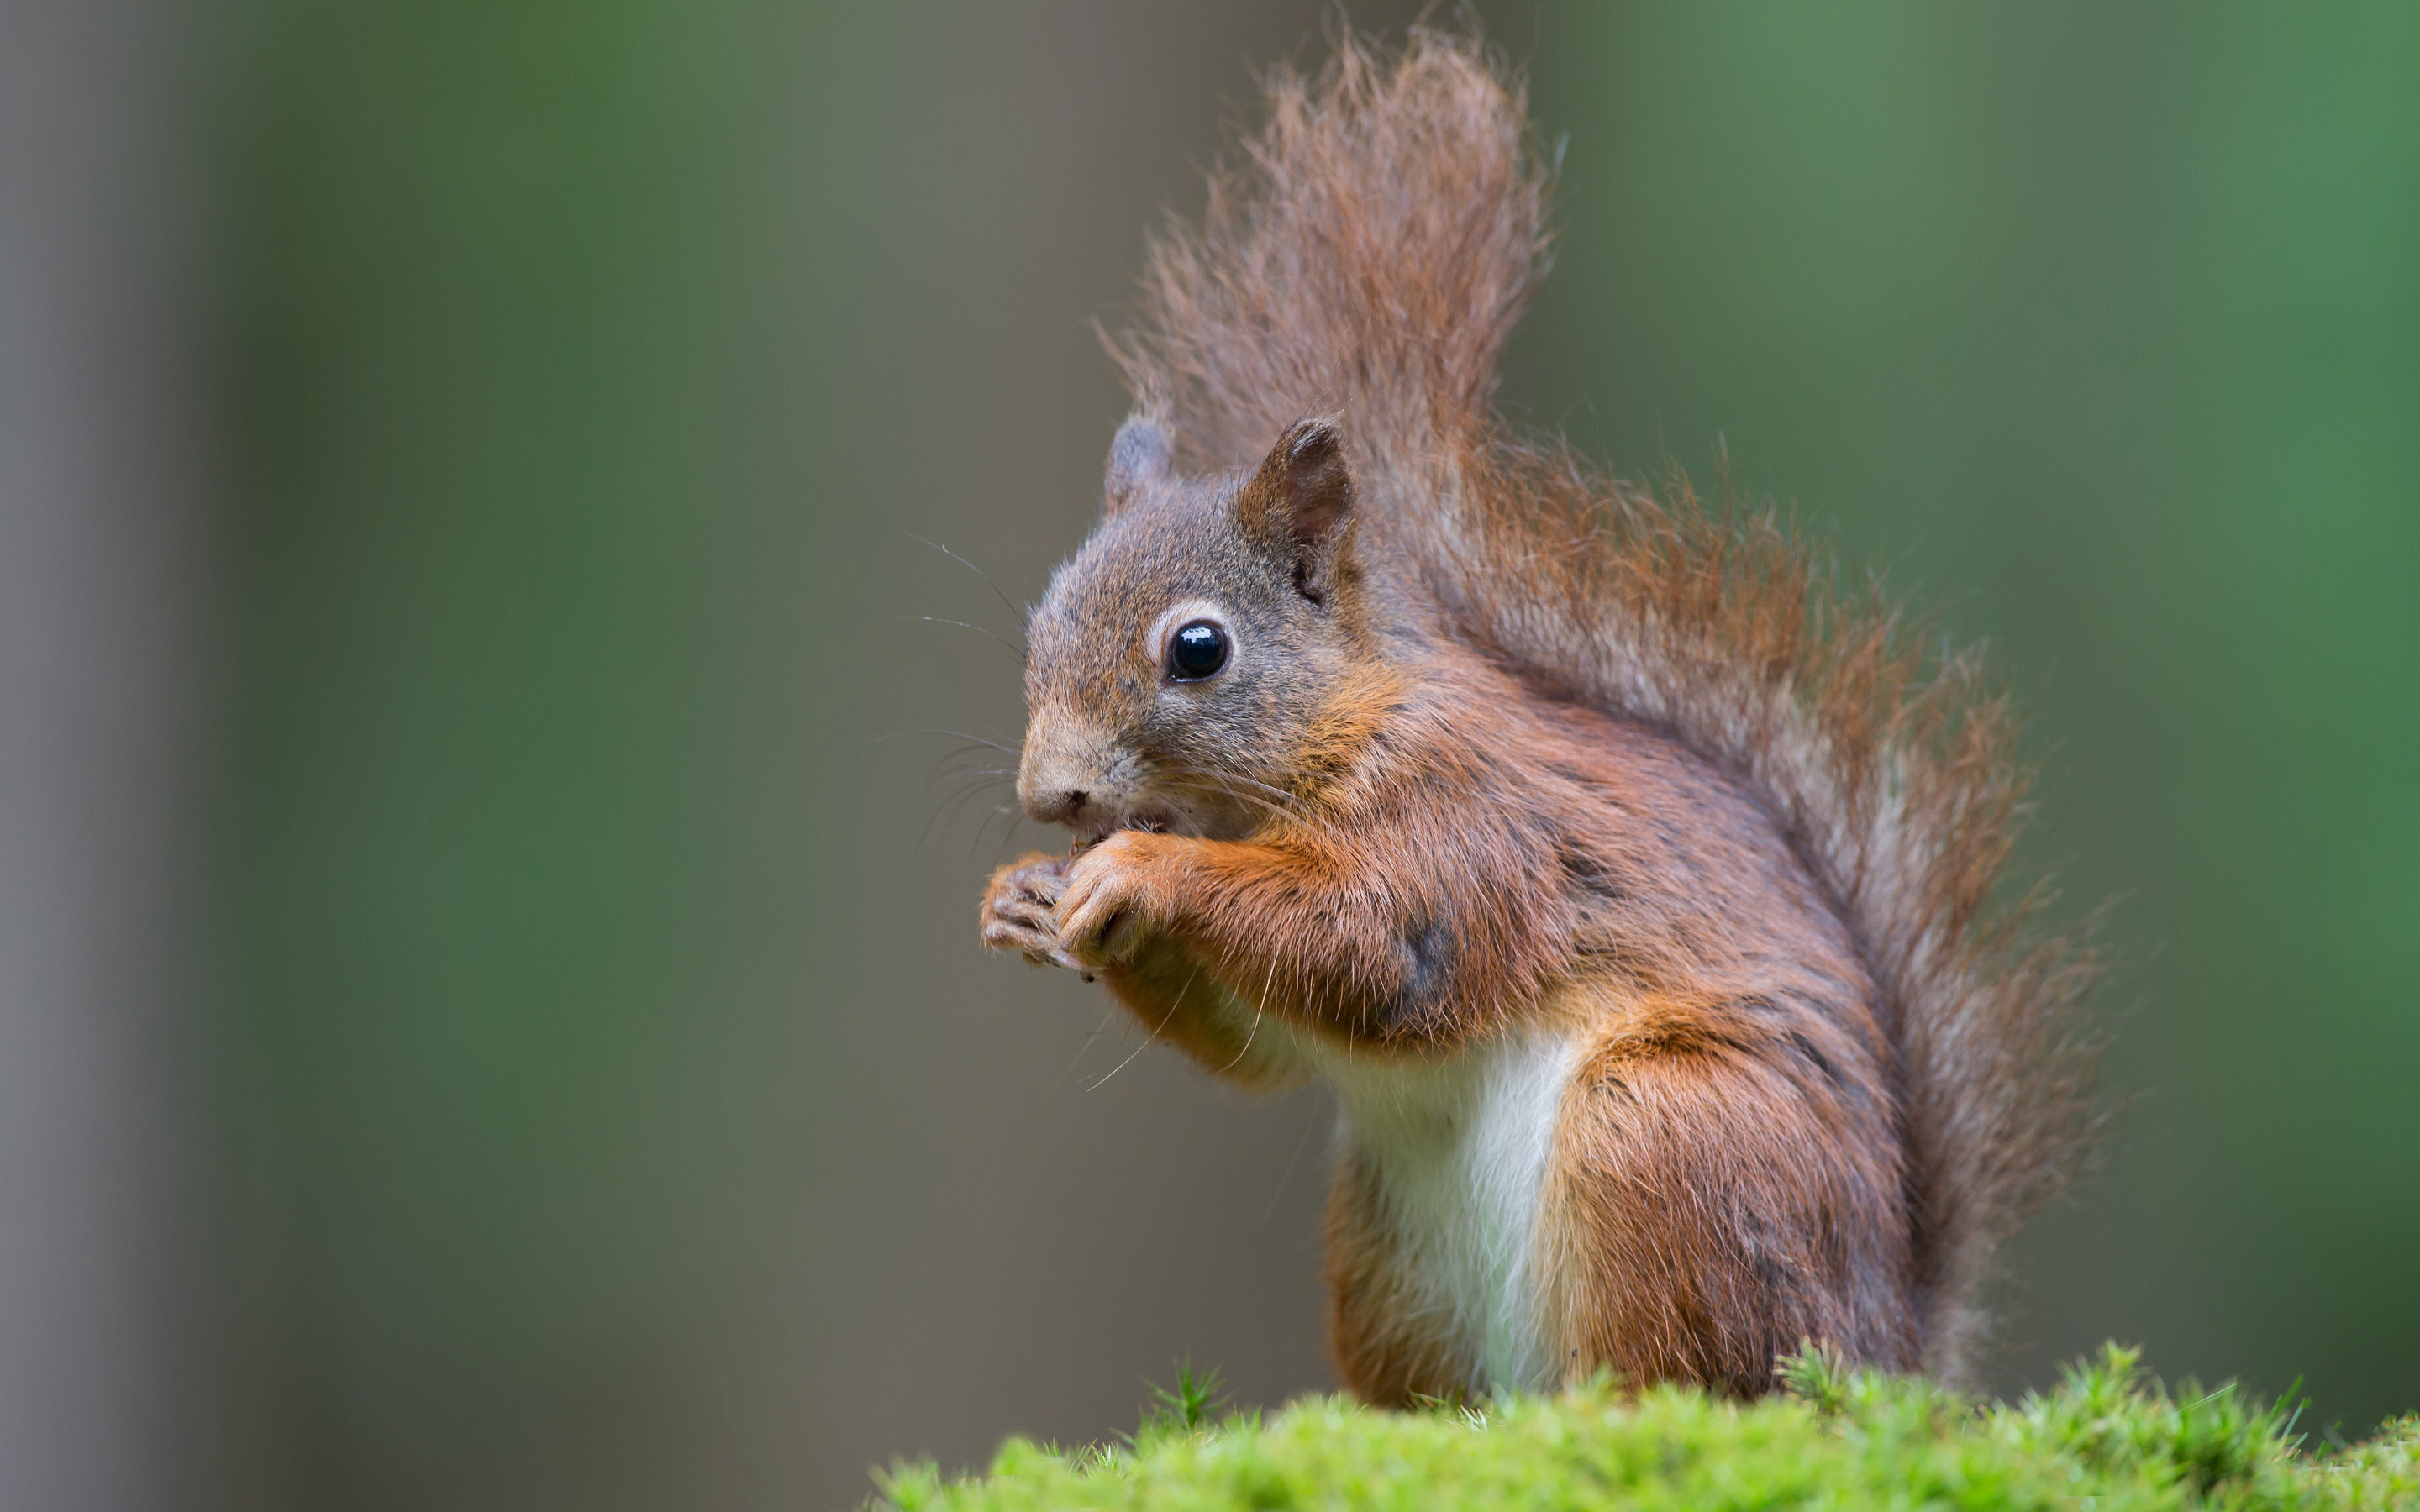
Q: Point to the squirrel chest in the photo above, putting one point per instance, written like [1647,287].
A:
[1442,1210]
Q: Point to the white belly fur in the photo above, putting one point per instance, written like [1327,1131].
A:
[1459,1148]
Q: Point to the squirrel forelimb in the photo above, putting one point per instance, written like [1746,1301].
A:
[1120,894]
[1018,911]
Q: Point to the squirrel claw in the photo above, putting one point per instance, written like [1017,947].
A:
[1017,909]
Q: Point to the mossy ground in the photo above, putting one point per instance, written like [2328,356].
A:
[2109,1437]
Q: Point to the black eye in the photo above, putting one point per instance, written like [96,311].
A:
[1196,651]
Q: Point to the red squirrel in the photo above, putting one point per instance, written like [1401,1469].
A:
[1629,884]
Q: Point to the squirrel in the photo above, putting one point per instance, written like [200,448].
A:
[1630,883]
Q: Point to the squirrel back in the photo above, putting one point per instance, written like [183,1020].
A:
[1368,259]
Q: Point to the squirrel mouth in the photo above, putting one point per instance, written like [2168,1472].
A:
[1150,822]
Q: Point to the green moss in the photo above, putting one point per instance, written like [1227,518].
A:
[2108,1438]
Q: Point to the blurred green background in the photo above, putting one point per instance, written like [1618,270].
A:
[615,1109]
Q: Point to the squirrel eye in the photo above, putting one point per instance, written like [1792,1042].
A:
[1196,651]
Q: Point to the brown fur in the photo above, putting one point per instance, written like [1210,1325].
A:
[1507,749]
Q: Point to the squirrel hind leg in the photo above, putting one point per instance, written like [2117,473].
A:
[1706,1216]
[1391,1344]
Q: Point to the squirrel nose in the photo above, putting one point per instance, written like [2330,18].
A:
[1058,808]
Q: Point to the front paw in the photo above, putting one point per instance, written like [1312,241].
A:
[1117,897]
[1018,908]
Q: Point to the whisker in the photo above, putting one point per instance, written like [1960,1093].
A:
[955,803]
[982,827]
[1001,774]
[897,735]
[1276,794]
[944,771]
[948,810]
[943,766]
[980,830]
[1308,1128]
[1183,785]
[1212,785]
[1247,1041]
[1013,648]
[968,565]
[1084,1049]
[964,788]
[1016,812]
[1174,1003]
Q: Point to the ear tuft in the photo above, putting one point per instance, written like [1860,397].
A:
[1318,486]
[1297,504]
[1141,455]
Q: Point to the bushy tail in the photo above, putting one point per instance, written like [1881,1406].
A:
[1370,257]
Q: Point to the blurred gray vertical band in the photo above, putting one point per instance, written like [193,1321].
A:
[99,544]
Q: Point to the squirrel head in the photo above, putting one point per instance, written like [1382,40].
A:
[1183,670]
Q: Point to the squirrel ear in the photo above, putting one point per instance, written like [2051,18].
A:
[1297,504]
[1141,455]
